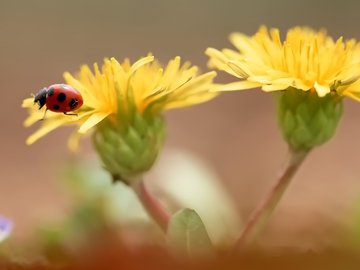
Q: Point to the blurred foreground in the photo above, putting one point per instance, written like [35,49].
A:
[107,228]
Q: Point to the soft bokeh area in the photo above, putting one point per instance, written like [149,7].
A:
[235,134]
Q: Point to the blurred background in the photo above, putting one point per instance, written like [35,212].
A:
[235,134]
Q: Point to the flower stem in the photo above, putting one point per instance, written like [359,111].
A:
[153,207]
[260,217]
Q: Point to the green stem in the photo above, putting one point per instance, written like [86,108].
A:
[153,207]
[260,217]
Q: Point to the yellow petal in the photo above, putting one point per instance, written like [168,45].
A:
[306,59]
[100,87]
[353,95]
[140,63]
[240,85]
[321,90]
[73,142]
[33,118]
[47,127]
[190,100]
[240,69]
[171,70]
[274,87]
[217,54]
[243,43]
[28,103]
[92,121]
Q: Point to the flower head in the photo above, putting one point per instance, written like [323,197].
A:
[305,60]
[123,105]
[144,87]
[313,70]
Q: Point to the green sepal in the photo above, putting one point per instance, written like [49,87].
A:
[130,149]
[121,114]
[307,120]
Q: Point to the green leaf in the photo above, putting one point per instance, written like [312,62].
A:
[187,235]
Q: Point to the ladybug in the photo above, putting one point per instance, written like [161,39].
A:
[61,98]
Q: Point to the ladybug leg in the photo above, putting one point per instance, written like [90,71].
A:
[44,115]
[70,113]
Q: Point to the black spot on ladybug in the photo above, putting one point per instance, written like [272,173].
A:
[61,97]
[73,103]
[56,107]
[50,92]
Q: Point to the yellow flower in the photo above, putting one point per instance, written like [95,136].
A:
[314,71]
[144,87]
[305,60]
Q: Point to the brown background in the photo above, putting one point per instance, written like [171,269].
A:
[236,133]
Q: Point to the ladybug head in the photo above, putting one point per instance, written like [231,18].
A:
[40,97]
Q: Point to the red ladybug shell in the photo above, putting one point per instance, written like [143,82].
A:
[62,98]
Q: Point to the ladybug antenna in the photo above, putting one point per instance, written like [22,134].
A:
[33,96]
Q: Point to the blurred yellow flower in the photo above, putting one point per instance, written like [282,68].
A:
[305,60]
[144,86]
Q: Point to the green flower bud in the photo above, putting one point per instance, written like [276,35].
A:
[131,148]
[307,120]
